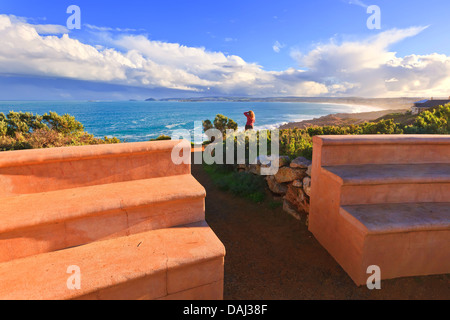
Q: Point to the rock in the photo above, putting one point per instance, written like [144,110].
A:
[266,161]
[289,208]
[303,206]
[308,172]
[307,186]
[301,163]
[294,195]
[275,187]
[287,174]
[297,199]
[297,183]
[255,169]
[284,161]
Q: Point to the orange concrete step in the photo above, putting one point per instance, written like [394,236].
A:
[43,222]
[382,149]
[44,170]
[399,217]
[173,263]
[403,239]
[393,183]
[382,200]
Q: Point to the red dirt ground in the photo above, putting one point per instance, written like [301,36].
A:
[272,256]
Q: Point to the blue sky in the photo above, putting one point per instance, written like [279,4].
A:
[246,47]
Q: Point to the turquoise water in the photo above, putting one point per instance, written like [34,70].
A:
[140,120]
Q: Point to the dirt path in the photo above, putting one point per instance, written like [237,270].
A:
[272,256]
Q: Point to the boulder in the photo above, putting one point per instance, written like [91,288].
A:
[301,163]
[308,172]
[297,183]
[289,208]
[255,169]
[304,206]
[307,185]
[287,174]
[294,195]
[266,161]
[284,161]
[275,187]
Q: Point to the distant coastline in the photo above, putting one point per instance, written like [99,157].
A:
[342,119]
[381,103]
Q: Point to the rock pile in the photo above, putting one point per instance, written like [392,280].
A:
[292,183]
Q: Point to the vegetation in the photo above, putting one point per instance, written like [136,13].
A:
[241,184]
[298,142]
[433,121]
[20,130]
[162,137]
[221,123]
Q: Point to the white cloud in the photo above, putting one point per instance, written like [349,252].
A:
[365,68]
[109,29]
[277,46]
[373,70]
[358,3]
[50,29]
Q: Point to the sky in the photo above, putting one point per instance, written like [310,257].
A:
[138,49]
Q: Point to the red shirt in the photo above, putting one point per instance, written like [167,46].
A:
[250,120]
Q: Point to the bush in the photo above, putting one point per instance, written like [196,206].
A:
[435,121]
[242,184]
[221,123]
[162,137]
[20,130]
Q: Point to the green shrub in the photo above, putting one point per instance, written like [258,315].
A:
[221,123]
[242,184]
[19,130]
[435,121]
[65,124]
[162,137]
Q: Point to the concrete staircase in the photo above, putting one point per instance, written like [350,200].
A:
[129,218]
[383,200]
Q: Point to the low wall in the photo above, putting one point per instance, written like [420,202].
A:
[291,184]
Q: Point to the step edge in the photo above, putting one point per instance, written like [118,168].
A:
[361,226]
[350,181]
[199,194]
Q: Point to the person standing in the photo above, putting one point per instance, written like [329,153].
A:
[250,120]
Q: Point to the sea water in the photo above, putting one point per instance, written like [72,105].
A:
[133,121]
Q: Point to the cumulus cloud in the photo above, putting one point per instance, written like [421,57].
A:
[369,68]
[365,68]
[135,60]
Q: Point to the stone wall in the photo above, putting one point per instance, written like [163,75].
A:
[291,184]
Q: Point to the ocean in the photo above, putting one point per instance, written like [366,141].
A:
[133,121]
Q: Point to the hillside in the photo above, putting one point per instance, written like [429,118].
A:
[345,119]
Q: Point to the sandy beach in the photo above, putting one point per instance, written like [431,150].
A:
[342,119]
